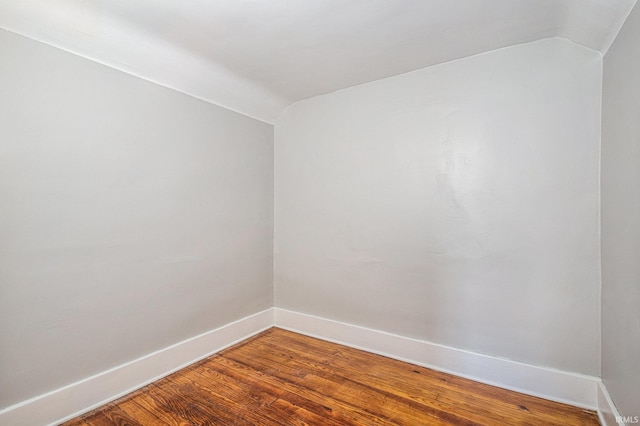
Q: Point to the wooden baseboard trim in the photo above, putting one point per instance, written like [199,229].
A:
[77,398]
[556,385]
[607,411]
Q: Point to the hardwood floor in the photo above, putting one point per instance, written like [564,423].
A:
[284,378]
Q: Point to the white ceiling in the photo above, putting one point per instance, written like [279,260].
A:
[258,56]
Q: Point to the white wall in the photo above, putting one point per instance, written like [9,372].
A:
[131,217]
[456,204]
[621,219]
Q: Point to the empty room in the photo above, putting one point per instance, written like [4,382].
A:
[319,212]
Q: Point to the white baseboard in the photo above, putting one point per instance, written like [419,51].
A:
[556,385]
[607,411]
[72,400]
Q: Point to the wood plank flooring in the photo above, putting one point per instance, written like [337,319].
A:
[283,378]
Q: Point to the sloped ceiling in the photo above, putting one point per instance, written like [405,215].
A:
[258,56]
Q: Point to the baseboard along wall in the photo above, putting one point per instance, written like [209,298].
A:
[556,385]
[77,398]
[607,411]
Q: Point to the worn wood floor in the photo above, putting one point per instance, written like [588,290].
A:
[284,378]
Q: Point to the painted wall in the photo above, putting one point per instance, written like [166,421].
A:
[456,204]
[621,218]
[131,217]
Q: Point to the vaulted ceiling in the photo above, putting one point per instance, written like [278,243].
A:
[258,56]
